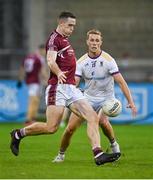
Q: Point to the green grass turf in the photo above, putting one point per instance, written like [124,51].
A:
[36,154]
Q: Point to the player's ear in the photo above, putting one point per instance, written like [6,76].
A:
[63,20]
[60,21]
[101,40]
[87,42]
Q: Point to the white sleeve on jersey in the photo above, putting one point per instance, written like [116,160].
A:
[80,64]
[78,71]
[113,67]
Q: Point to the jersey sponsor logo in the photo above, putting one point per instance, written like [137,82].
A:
[60,52]
[96,78]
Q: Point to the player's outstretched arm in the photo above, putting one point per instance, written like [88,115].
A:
[124,87]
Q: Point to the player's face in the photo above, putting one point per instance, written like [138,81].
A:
[67,26]
[94,43]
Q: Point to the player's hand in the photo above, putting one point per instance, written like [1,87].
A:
[19,84]
[133,108]
[62,77]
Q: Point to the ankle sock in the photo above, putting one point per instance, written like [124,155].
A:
[61,152]
[97,152]
[19,134]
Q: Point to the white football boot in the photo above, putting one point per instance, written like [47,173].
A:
[59,158]
[115,147]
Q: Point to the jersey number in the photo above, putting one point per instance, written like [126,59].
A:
[28,65]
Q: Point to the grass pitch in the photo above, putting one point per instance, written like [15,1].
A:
[36,154]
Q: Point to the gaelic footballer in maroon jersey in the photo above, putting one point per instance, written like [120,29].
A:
[61,92]
[32,65]
[33,71]
[66,59]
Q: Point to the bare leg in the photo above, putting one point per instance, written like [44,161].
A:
[106,127]
[33,107]
[65,117]
[83,109]
[73,124]
[53,114]
[109,132]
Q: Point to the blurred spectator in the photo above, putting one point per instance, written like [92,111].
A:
[33,70]
[125,59]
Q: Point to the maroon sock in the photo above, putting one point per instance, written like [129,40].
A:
[20,133]
[97,151]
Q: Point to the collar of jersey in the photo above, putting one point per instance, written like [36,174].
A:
[95,56]
[61,34]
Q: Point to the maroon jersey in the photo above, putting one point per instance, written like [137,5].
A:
[32,65]
[66,59]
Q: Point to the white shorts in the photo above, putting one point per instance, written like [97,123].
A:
[97,103]
[34,89]
[62,94]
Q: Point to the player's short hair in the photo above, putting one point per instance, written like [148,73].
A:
[66,14]
[94,31]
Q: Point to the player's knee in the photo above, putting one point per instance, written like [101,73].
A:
[70,130]
[104,121]
[52,130]
[103,124]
